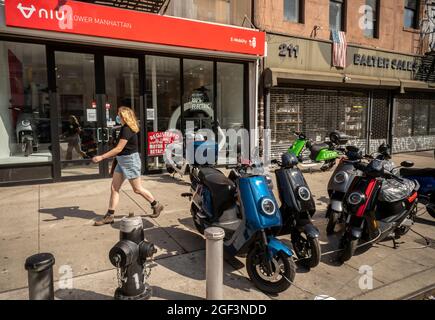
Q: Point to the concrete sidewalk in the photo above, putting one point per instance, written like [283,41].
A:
[58,218]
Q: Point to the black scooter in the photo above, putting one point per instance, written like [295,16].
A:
[297,209]
[379,205]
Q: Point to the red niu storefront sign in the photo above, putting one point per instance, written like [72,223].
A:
[102,21]
[158,141]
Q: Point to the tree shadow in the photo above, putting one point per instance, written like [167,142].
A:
[323,199]
[166,178]
[425,221]
[78,294]
[165,294]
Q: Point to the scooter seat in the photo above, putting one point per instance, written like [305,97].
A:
[416,172]
[316,148]
[222,189]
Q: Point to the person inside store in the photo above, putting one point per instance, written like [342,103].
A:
[73,138]
[127,165]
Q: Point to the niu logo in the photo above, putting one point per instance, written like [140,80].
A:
[64,15]
[26,11]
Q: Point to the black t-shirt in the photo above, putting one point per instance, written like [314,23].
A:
[73,129]
[132,142]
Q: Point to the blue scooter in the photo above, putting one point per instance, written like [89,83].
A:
[426,179]
[244,206]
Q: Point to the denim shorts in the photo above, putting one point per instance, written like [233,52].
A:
[130,166]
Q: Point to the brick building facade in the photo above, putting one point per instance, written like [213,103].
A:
[385,92]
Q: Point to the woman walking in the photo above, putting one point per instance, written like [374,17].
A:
[73,138]
[128,166]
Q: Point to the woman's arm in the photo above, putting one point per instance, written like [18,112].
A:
[112,153]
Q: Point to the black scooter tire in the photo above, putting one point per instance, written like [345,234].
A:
[431,206]
[431,209]
[332,222]
[265,286]
[170,169]
[316,254]
[349,248]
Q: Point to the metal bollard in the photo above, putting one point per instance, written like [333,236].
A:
[40,276]
[214,251]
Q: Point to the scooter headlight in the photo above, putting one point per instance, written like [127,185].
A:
[268,207]
[356,198]
[340,177]
[304,193]
[25,123]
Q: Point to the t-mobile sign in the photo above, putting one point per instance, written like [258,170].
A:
[102,21]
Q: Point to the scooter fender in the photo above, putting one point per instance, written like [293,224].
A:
[275,246]
[336,206]
[356,233]
[311,231]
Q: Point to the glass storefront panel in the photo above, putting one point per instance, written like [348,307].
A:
[79,133]
[198,94]
[163,92]
[230,95]
[25,135]
[122,89]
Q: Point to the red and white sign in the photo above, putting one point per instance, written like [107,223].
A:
[158,141]
[102,21]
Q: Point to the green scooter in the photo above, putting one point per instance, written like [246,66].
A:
[312,154]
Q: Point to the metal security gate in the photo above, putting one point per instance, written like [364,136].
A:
[317,113]
[414,122]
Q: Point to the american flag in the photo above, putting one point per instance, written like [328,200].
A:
[339,49]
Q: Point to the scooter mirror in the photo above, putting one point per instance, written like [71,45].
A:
[407,164]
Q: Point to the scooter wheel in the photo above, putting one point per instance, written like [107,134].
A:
[307,250]
[349,248]
[170,169]
[281,278]
[431,209]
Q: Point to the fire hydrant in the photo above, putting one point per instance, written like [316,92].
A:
[130,257]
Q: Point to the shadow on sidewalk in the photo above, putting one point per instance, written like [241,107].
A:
[425,221]
[166,178]
[165,294]
[77,294]
[74,212]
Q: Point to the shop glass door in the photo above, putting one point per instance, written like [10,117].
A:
[122,87]
[198,94]
[80,132]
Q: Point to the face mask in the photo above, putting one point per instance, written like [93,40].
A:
[118,120]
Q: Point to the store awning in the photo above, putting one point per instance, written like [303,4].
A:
[152,6]
[274,77]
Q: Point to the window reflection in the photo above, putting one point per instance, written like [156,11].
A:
[24,104]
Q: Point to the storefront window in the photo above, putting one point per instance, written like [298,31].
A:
[79,132]
[414,123]
[24,104]
[198,93]
[432,119]
[221,11]
[230,84]
[162,102]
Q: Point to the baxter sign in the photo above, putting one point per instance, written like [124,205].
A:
[102,21]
